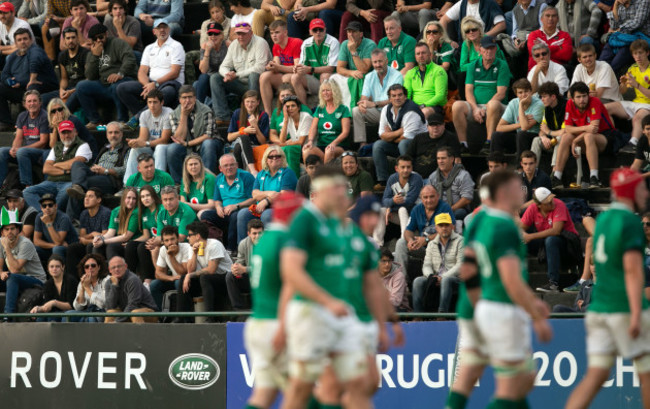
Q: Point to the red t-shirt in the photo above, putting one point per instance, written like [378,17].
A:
[595,110]
[533,217]
[290,53]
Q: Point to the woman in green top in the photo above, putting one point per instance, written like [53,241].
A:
[439,44]
[330,128]
[293,132]
[197,186]
[112,243]
[145,219]
[472,31]
[361,182]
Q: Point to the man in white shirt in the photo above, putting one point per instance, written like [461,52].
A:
[598,75]
[8,26]
[546,70]
[162,67]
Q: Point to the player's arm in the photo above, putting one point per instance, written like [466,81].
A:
[634,284]
[375,295]
[469,272]
[279,339]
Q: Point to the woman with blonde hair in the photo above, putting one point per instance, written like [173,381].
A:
[57,112]
[472,31]
[113,242]
[436,37]
[197,186]
[330,128]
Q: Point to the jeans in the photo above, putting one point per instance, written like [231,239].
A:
[185,301]
[33,193]
[556,251]
[202,87]
[414,22]
[13,287]
[618,60]
[419,285]
[509,142]
[27,159]
[227,224]
[72,102]
[92,92]
[213,285]
[210,151]
[509,25]
[220,91]
[45,254]
[300,29]
[402,254]
[84,177]
[380,152]
[129,93]
[236,287]
[460,214]
[158,289]
[159,158]
[138,258]
[447,285]
[244,216]
[89,309]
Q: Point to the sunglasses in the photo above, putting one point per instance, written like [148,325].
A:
[290,98]
[349,153]
[214,34]
[542,54]
[55,110]
[471,30]
[433,32]
[317,30]
[275,157]
[87,266]
[144,156]
[242,25]
[99,37]
[646,224]
[46,205]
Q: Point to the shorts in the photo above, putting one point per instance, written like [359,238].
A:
[470,117]
[270,367]
[631,108]
[505,329]
[469,337]
[313,84]
[607,334]
[615,141]
[369,332]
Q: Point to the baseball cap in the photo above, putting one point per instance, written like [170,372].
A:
[215,27]
[624,181]
[488,41]
[317,23]
[442,218]
[14,194]
[66,126]
[542,195]
[365,204]
[243,28]
[159,23]
[47,197]
[96,30]
[354,26]
[435,119]
[7,7]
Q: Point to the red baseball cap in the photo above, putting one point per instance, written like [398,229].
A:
[66,126]
[7,7]
[624,181]
[317,23]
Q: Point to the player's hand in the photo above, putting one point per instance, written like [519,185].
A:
[337,307]
[399,339]
[542,308]
[384,340]
[543,330]
[279,340]
[635,327]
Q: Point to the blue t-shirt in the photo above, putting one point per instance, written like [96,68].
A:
[262,122]
[536,109]
[62,223]
[240,190]
[419,222]
[98,223]
[284,179]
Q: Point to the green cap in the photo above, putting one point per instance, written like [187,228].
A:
[8,217]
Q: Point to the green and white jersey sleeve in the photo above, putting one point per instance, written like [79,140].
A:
[464,307]
[363,258]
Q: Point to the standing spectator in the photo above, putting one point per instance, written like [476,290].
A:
[93,222]
[581,19]
[629,17]
[242,13]
[312,162]
[152,12]
[354,60]
[148,175]
[193,130]
[399,46]
[81,20]
[598,75]
[559,42]
[123,26]
[139,251]
[26,213]
[174,213]
[53,231]
[414,13]
[400,121]
[197,186]
[546,70]
[360,181]
[126,293]
[56,13]
[394,281]
[249,127]
[486,11]
[59,290]
[91,291]
[294,130]
[532,177]
[118,234]
[453,182]
[8,26]
[551,129]
[240,71]
[162,67]
[270,11]
[369,13]
[109,63]
[238,278]
[327,11]
[212,54]
[425,145]
[427,83]
[217,15]
[171,268]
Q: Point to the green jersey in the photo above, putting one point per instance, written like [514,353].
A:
[183,216]
[497,236]
[160,180]
[330,126]
[114,222]
[618,231]
[362,258]
[266,281]
[364,50]
[486,81]
[200,194]
[324,55]
[320,237]
[464,307]
[149,221]
[402,53]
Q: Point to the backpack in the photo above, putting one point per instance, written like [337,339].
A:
[29,299]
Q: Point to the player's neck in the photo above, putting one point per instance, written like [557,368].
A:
[627,203]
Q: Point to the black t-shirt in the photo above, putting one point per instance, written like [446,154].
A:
[423,150]
[304,185]
[68,289]
[643,149]
[74,67]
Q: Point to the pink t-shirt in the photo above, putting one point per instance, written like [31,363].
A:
[533,216]
[90,21]
[290,53]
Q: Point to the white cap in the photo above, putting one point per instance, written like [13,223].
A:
[543,195]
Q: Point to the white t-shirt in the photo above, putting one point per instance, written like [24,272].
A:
[215,250]
[155,125]
[303,127]
[602,77]
[7,37]
[160,59]
[556,73]
[83,150]
[240,18]
[183,256]
[472,10]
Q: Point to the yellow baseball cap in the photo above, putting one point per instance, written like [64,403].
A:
[442,218]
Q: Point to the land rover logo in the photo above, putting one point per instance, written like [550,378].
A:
[194,371]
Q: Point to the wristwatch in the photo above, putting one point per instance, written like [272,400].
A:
[426,239]
[156,84]
[147,144]
[105,171]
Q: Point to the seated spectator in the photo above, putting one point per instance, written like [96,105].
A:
[126,293]
[20,266]
[212,54]
[598,75]
[162,67]
[400,196]
[546,70]
[124,26]
[581,19]
[425,145]
[360,181]
[330,128]
[453,182]
[526,18]
[486,86]
[104,75]
[207,267]
[551,129]
[31,140]
[312,162]
[53,230]
[91,290]
[472,35]
[631,17]
[399,46]
[642,155]
[496,160]
[217,15]
[237,279]
[269,12]
[26,213]
[442,53]
[421,228]
[532,177]
[400,121]
[240,71]
[369,14]
[328,11]
[583,299]
[354,61]
[555,231]
[197,186]
[393,278]
[440,271]
[57,112]
[59,290]
[491,17]
[152,12]
[81,20]
[174,213]
[8,26]
[233,192]
[587,124]
[249,127]
[148,175]
[412,13]
[138,252]
[27,68]
[294,129]
[154,135]
[193,130]
[318,60]
[427,83]
[374,95]
[33,12]
[242,13]
[559,42]
[58,165]
[519,124]
[274,179]
[112,243]
[637,79]
[55,15]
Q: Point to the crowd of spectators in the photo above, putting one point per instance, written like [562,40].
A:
[200,141]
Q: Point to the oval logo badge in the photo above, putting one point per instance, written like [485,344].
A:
[194,371]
